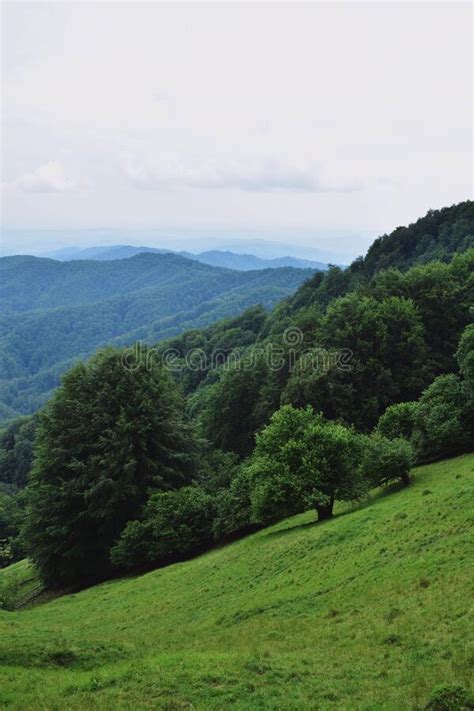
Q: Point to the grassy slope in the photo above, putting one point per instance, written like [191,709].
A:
[19,585]
[367,611]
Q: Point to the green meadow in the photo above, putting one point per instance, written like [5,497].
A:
[369,610]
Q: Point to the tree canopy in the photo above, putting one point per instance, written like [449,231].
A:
[112,432]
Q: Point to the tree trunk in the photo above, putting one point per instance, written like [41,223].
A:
[325,512]
[405,477]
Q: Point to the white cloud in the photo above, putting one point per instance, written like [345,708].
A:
[262,174]
[48,178]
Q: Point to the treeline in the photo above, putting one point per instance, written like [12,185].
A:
[122,481]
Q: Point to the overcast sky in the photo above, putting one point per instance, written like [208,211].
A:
[288,120]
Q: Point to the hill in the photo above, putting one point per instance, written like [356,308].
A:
[436,236]
[245,262]
[56,312]
[214,257]
[366,611]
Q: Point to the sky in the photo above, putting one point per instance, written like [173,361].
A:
[307,123]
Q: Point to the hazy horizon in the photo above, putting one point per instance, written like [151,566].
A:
[335,246]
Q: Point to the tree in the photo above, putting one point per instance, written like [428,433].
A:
[397,421]
[385,460]
[441,418]
[113,431]
[465,354]
[233,505]
[302,462]
[175,525]
[230,419]
[216,469]
[11,515]
[16,451]
[386,344]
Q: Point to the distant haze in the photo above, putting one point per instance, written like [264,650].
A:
[334,247]
[193,126]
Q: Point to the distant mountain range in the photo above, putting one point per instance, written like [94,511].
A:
[215,257]
[327,247]
[53,312]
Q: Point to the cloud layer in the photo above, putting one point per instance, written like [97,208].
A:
[48,178]
[253,175]
[268,117]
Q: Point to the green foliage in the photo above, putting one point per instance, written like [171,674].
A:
[386,460]
[11,520]
[398,421]
[215,343]
[465,355]
[443,420]
[16,451]
[388,351]
[175,525]
[437,236]
[6,553]
[393,334]
[110,433]
[302,462]
[216,469]
[231,417]
[8,516]
[233,514]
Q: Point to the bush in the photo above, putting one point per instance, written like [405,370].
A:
[465,354]
[175,525]
[216,469]
[443,419]
[398,421]
[233,508]
[385,460]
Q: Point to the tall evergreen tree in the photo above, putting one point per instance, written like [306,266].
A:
[113,432]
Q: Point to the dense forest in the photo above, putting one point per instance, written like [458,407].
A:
[342,387]
[54,313]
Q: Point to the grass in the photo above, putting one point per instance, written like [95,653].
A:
[19,586]
[367,611]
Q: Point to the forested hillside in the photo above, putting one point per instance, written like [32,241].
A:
[362,374]
[54,313]
[398,330]
[437,236]
[320,408]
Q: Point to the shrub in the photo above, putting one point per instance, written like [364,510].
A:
[443,419]
[233,508]
[386,460]
[175,525]
[397,421]
[465,354]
